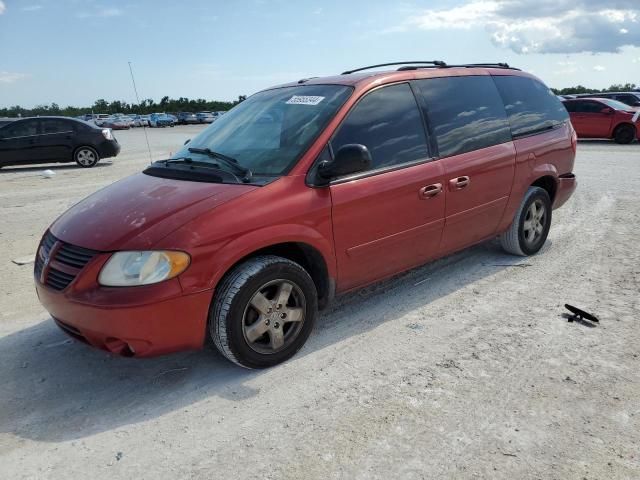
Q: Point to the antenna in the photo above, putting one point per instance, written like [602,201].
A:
[144,127]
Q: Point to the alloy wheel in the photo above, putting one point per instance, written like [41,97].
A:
[86,157]
[274,316]
[534,222]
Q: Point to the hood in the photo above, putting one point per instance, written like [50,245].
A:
[138,211]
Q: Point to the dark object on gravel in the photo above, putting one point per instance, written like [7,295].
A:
[580,314]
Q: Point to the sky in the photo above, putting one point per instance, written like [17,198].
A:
[73,52]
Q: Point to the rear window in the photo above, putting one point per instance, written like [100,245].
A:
[466,113]
[531,107]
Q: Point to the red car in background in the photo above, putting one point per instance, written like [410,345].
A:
[604,118]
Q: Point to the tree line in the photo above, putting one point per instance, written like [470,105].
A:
[184,104]
[627,87]
[166,104]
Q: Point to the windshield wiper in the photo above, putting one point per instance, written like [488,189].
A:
[203,165]
[228,161]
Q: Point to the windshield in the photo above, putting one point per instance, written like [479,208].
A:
[268,132]
[615,104]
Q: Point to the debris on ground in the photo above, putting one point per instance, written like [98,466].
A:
[580,314]
[26,260]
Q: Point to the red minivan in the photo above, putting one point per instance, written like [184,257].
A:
[302,192]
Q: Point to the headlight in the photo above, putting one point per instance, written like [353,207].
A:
[126,269]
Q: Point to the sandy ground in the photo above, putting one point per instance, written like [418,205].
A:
[463,368]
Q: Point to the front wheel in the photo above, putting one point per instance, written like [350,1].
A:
[86,157]
[624,134]
[531,224]
[263,312]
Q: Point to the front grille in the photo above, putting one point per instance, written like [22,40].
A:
[45,250]
[58,280]
[74,256]
[64,262]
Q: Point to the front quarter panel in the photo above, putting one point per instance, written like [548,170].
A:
[284,211]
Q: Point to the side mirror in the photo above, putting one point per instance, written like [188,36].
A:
[351,158]
[607,110]
[186,141]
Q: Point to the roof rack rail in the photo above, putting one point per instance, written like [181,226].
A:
[464,65]
[488,64]
[436,63]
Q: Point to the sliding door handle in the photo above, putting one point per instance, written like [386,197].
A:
[459,182]
[430,190]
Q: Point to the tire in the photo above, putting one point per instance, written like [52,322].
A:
[86,157]
[523,241]
[260,281]
[624,134]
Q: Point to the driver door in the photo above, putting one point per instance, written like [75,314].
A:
[389,218]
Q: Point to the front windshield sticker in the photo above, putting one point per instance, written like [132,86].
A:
[304,100]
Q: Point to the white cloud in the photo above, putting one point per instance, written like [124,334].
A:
[2,7]
[540,26]
[103,12]
[11,77]
[599,68]
[31,8]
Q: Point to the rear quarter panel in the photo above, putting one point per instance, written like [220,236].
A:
[547,154]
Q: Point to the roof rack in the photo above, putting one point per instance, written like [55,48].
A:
[465,65]
[303,80]
[436,63]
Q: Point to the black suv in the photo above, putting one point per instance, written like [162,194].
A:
[55,140]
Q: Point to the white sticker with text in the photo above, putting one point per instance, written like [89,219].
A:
[304,100]
[635,117]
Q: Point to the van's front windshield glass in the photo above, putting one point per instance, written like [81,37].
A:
[268,132]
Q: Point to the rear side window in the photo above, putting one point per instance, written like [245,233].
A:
[55,125]
[466,113]
[531,107]
[387,121]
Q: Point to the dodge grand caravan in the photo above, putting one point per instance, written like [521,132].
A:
[301,192]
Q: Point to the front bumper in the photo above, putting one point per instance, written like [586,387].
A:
[125,323]
[567,184]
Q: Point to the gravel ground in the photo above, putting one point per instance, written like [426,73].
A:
[463,368]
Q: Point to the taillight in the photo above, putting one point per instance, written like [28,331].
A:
[106,132]
[574,139]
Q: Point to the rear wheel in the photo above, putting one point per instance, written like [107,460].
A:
[531,224]
[263,312]
[86,157]
[624,134]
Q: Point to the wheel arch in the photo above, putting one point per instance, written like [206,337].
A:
[623,125]
[548,183]
[307,255]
